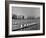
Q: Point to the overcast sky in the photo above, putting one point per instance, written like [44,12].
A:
[26,11]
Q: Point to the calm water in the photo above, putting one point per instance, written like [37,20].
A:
[26,24]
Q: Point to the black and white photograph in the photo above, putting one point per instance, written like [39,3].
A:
[25,18]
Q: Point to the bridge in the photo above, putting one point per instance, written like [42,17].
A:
[26,24]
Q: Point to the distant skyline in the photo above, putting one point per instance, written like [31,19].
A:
[26,11]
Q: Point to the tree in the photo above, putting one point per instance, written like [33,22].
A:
[14,17]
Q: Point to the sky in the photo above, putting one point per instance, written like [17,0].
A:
[26,11]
